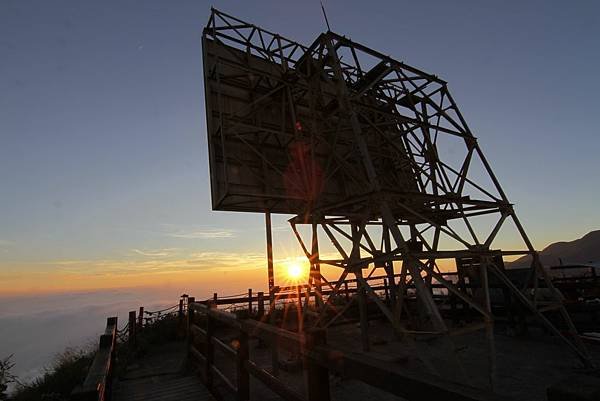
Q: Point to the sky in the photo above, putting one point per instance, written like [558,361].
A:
[103,154]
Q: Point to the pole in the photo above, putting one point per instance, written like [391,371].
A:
[141,318]
[271,281]
[261,304]
[269,251]
[132,319]
[316,375]
[299,309]
[249,301]
[315,266]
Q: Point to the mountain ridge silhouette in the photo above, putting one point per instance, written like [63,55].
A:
[583,250]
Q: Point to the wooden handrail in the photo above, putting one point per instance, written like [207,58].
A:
[97,384]
[204,355]
[273,383]
[318,360]
[351,290]
[290,292]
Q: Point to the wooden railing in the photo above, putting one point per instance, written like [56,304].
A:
[202,343]
[97,384]
[318,360]
[347,288]
[200,319]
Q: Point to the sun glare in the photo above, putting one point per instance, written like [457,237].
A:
[294,271]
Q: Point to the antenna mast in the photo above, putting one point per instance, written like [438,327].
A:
[325,15]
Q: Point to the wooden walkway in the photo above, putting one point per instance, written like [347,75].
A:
[160,376]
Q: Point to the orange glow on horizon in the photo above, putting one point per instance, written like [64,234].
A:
[197,283]
[233,277]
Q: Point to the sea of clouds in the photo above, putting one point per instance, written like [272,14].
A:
[34,329]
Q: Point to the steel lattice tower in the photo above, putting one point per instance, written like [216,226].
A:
[375,156]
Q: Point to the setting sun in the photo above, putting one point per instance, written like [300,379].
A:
[294,271]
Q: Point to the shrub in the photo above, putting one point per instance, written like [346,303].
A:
[6,377]
[68,369]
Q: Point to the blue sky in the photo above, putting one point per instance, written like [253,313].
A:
[102,128]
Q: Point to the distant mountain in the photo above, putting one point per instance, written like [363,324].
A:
[583,250]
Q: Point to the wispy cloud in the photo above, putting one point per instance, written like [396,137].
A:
[202,234]
[157,262]
[229,259]
[280,227]
[156,252]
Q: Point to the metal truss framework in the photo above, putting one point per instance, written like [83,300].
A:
[387,171]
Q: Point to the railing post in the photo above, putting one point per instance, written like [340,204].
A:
[111,321]
[249,301]
[454,310]
[386,289]
[274,349]
[299,309]
[215,297]
[261,304]
[141,318]
[98,381]
[190,320]
[209,348]
[243,377]
[132,323]
[316,375]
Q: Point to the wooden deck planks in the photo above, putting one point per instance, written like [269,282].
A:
[160,376]
[164,388]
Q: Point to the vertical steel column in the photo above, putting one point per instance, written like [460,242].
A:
[316,376]
[315,266]
[489,321]
[389,269]
[299,308]
[361,292]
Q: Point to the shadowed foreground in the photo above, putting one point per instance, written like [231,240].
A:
[160,376]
